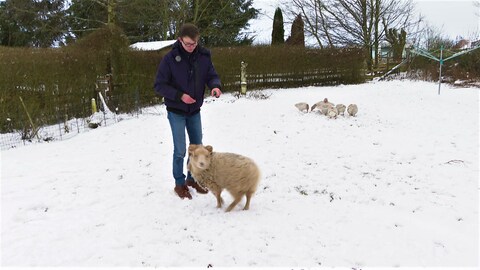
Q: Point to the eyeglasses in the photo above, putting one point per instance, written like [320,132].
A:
[193,44]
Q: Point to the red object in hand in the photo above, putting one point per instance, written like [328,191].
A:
[187,99]
[216,92]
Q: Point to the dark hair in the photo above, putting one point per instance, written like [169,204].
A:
[189,30]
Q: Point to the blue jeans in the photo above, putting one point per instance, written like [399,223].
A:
[178,124]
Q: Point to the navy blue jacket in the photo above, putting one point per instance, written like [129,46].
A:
[182,72]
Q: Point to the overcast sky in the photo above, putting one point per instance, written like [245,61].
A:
[453,18]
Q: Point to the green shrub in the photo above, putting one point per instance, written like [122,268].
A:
[58,83]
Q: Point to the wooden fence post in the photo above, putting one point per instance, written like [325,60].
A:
[35,130]
[243,78]
[94,106]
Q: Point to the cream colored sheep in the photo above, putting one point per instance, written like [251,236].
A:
[341,109]
[352,109]
[332,112]
[238,174]
[302,106]
[323,106]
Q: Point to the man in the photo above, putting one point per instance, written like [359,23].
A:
[181,79]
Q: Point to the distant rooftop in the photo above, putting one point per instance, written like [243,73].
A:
[152,45]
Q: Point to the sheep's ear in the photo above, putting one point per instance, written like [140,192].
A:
[209,148]
[192,148]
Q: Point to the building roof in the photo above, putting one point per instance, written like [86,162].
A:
[152,45]
[463,44]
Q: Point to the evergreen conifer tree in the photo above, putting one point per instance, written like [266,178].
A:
[278,31]
[297,36]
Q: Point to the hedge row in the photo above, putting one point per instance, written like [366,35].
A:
[286,66]
[50,80]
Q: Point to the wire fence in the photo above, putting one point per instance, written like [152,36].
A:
[32,128]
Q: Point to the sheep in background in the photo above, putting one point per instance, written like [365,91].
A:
[341,109]
[302,106]
[352,109]
[332,112]
[323,106]
[326,108]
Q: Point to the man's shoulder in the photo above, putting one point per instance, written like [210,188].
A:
[172,53]
[170,56]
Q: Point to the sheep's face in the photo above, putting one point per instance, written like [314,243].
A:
[200,156]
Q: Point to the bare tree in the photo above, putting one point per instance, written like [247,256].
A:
[354,22]
[477,5]
[110,6]
[476,35]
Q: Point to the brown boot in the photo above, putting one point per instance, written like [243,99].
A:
[196,186]
[183,192]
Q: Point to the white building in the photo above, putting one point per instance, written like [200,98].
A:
[152,45]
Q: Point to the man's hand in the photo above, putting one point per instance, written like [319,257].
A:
[187,99]
[216,92]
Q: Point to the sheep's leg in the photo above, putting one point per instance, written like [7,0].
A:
[219,199]
[217,192]
[237,199]
[247,204]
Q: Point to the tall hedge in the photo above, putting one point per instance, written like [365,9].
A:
[59,82]
[55,82]
[286,66]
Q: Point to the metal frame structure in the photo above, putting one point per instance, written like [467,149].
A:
[427,54]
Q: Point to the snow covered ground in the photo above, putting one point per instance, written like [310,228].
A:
[396,186]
